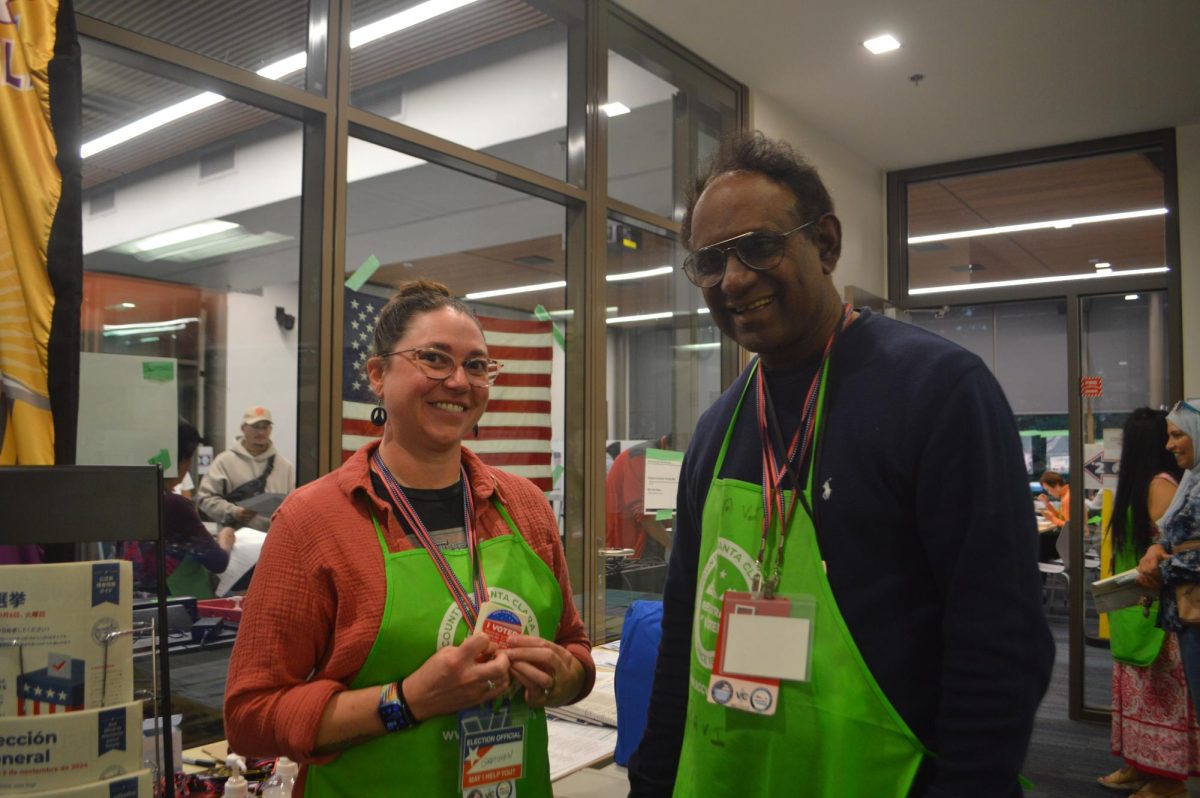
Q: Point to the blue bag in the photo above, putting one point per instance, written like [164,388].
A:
[635,674]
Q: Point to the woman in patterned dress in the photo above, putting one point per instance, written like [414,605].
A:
[1153,724]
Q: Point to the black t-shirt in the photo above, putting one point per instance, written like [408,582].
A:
[440,510]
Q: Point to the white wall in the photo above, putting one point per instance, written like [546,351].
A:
[260,362]
[858,190]
[1187,143]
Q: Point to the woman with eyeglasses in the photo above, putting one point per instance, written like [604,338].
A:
[1175,559]
[1153,725]
[412,615]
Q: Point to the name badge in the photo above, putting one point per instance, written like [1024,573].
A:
[491,750]
[760,642]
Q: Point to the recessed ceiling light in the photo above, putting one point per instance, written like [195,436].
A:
[882,44]
[1103,265]
[1059,224]
[614,109]
[1058,278]
[1131,297]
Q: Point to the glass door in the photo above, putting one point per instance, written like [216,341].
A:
[1123,365]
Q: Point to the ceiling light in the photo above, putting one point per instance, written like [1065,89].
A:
[1131,297]
[698,347]
[666,314]
[422,12]
[1057,223]
[1103,265]
[120,306]
[614,109]
[520,289]
[882,44]
[655,272]
[1058,278]
[149,122]
[180,234]
[279,69]
[703,310]
[142,328]
[198,242]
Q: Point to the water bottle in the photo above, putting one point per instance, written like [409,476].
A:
[282,780]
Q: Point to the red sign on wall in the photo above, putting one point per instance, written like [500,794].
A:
[1091,386]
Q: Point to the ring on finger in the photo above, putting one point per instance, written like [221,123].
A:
[548,689]
[490,685]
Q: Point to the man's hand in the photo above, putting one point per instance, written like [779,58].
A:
[244,516]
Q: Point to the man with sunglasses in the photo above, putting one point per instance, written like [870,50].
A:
[879,631]
[251,467]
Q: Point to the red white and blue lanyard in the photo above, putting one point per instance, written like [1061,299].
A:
[773,471]
[469,608]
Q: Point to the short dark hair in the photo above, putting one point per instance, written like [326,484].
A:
[411,299]
[1053,479]
[751,151]
[189,439]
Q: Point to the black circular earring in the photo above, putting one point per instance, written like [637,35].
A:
[379,416]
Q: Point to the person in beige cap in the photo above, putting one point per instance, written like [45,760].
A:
[247,469]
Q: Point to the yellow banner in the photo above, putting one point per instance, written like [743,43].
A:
[30,186]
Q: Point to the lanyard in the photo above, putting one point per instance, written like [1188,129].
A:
[774,472]
[469,608]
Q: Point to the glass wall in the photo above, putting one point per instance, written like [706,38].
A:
[1055,267]
[239,235]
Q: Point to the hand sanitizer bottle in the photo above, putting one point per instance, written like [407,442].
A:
[282,780]
[235,785]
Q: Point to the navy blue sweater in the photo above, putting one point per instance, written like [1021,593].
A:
[922,511]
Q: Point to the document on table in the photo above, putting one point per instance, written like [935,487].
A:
[246,548]
[599,708]
[574,746]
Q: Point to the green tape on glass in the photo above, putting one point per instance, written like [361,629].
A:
[541,314]
[664,515]
[163,458]
[363,273]
[158,370]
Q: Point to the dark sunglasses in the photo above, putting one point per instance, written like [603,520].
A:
[761,250]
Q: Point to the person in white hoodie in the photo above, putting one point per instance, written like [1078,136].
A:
[250,467]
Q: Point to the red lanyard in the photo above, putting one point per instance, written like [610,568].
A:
[469,608]
[774,471]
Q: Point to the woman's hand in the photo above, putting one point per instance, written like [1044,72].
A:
[457,677]
[1148,573]
[226,538]
[549,673]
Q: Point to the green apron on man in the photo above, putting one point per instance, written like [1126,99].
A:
[420,617]
[834,735]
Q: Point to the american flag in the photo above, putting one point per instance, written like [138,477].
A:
[514,433]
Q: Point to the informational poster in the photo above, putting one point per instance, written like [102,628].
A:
[662,478]
[50,752]
[57,622]
[133,785]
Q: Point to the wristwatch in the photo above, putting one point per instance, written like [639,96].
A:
[393,709]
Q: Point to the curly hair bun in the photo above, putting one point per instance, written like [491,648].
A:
[418,287]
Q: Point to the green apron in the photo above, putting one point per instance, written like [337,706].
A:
[419,618]
[190,578]
[1134,639]
[836,735]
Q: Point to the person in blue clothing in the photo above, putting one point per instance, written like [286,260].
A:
[908,556]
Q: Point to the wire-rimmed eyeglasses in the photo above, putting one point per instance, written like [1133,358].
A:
[761,250]
[437,365]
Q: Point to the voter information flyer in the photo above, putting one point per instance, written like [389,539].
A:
[50,752]
[56,621]
[134,785]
